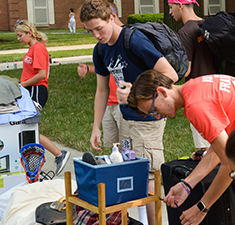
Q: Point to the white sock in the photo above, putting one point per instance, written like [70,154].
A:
[59,155]
[142,214]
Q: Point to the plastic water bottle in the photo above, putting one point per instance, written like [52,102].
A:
[15,65]
[7,65]
[116,156]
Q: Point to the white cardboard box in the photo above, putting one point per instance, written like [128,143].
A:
[13,136]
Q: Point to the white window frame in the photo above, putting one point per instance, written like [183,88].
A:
[118,3]
[49,8]
[207,7]
[137,6]
[51,12]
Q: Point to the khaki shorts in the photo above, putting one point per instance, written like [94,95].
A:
[199,141]
[146,138]
[115,128]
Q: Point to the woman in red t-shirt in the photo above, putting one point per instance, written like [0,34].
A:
[35,78]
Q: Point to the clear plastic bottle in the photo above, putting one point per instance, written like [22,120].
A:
[116,156]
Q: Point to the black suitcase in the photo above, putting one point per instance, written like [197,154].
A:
[221,213]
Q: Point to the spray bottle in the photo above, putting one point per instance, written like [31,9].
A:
[116,156]
[127,153]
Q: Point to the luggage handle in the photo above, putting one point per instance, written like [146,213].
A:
[179,172]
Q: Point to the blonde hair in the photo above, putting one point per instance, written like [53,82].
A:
[26,26]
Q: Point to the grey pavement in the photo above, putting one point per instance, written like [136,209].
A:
[49,49]
[49,164]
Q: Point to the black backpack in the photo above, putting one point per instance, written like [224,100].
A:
[219,34]
[165,41]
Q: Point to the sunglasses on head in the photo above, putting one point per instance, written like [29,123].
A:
[19,22]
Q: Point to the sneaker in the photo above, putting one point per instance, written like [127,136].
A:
[61,161]
[89,157]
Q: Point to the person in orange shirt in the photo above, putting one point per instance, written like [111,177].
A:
[209,107]
[35,78]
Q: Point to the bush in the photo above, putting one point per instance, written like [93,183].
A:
[143,18]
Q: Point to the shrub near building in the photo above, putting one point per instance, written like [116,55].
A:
[143,18]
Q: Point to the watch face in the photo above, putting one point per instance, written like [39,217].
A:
[200,206]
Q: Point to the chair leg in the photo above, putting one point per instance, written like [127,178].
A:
[101,203]
[124,216]
[68,193]
[158,203]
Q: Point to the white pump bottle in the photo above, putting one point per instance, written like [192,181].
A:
[116,156]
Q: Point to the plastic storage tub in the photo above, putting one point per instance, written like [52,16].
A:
[124,181]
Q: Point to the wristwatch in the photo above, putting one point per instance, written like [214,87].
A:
[202,207]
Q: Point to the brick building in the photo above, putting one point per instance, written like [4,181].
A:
[53,14]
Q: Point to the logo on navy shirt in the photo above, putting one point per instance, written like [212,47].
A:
[115,68]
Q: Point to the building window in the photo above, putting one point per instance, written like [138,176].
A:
[118,3]
[41,12]
[211,7]
[146,6]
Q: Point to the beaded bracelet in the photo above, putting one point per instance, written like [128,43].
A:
[185,188]
[182,180]
[87,68]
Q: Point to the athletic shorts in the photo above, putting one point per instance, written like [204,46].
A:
[39,95]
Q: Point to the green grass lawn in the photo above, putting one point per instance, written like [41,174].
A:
[68,115]
[8,39]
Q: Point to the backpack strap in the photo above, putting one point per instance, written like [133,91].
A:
[128,32]
[98,49]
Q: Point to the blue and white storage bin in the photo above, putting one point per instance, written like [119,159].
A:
[124,181]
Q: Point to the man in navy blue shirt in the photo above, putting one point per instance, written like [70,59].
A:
[145,133]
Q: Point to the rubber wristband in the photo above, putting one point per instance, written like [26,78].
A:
[182,180]
[185,188]
[87,68]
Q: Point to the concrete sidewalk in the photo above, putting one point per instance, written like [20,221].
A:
[49,49]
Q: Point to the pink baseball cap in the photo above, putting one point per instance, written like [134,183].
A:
[184,2]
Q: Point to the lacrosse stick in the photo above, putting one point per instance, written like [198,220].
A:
[32,159]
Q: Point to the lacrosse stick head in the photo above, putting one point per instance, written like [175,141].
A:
[32,159]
